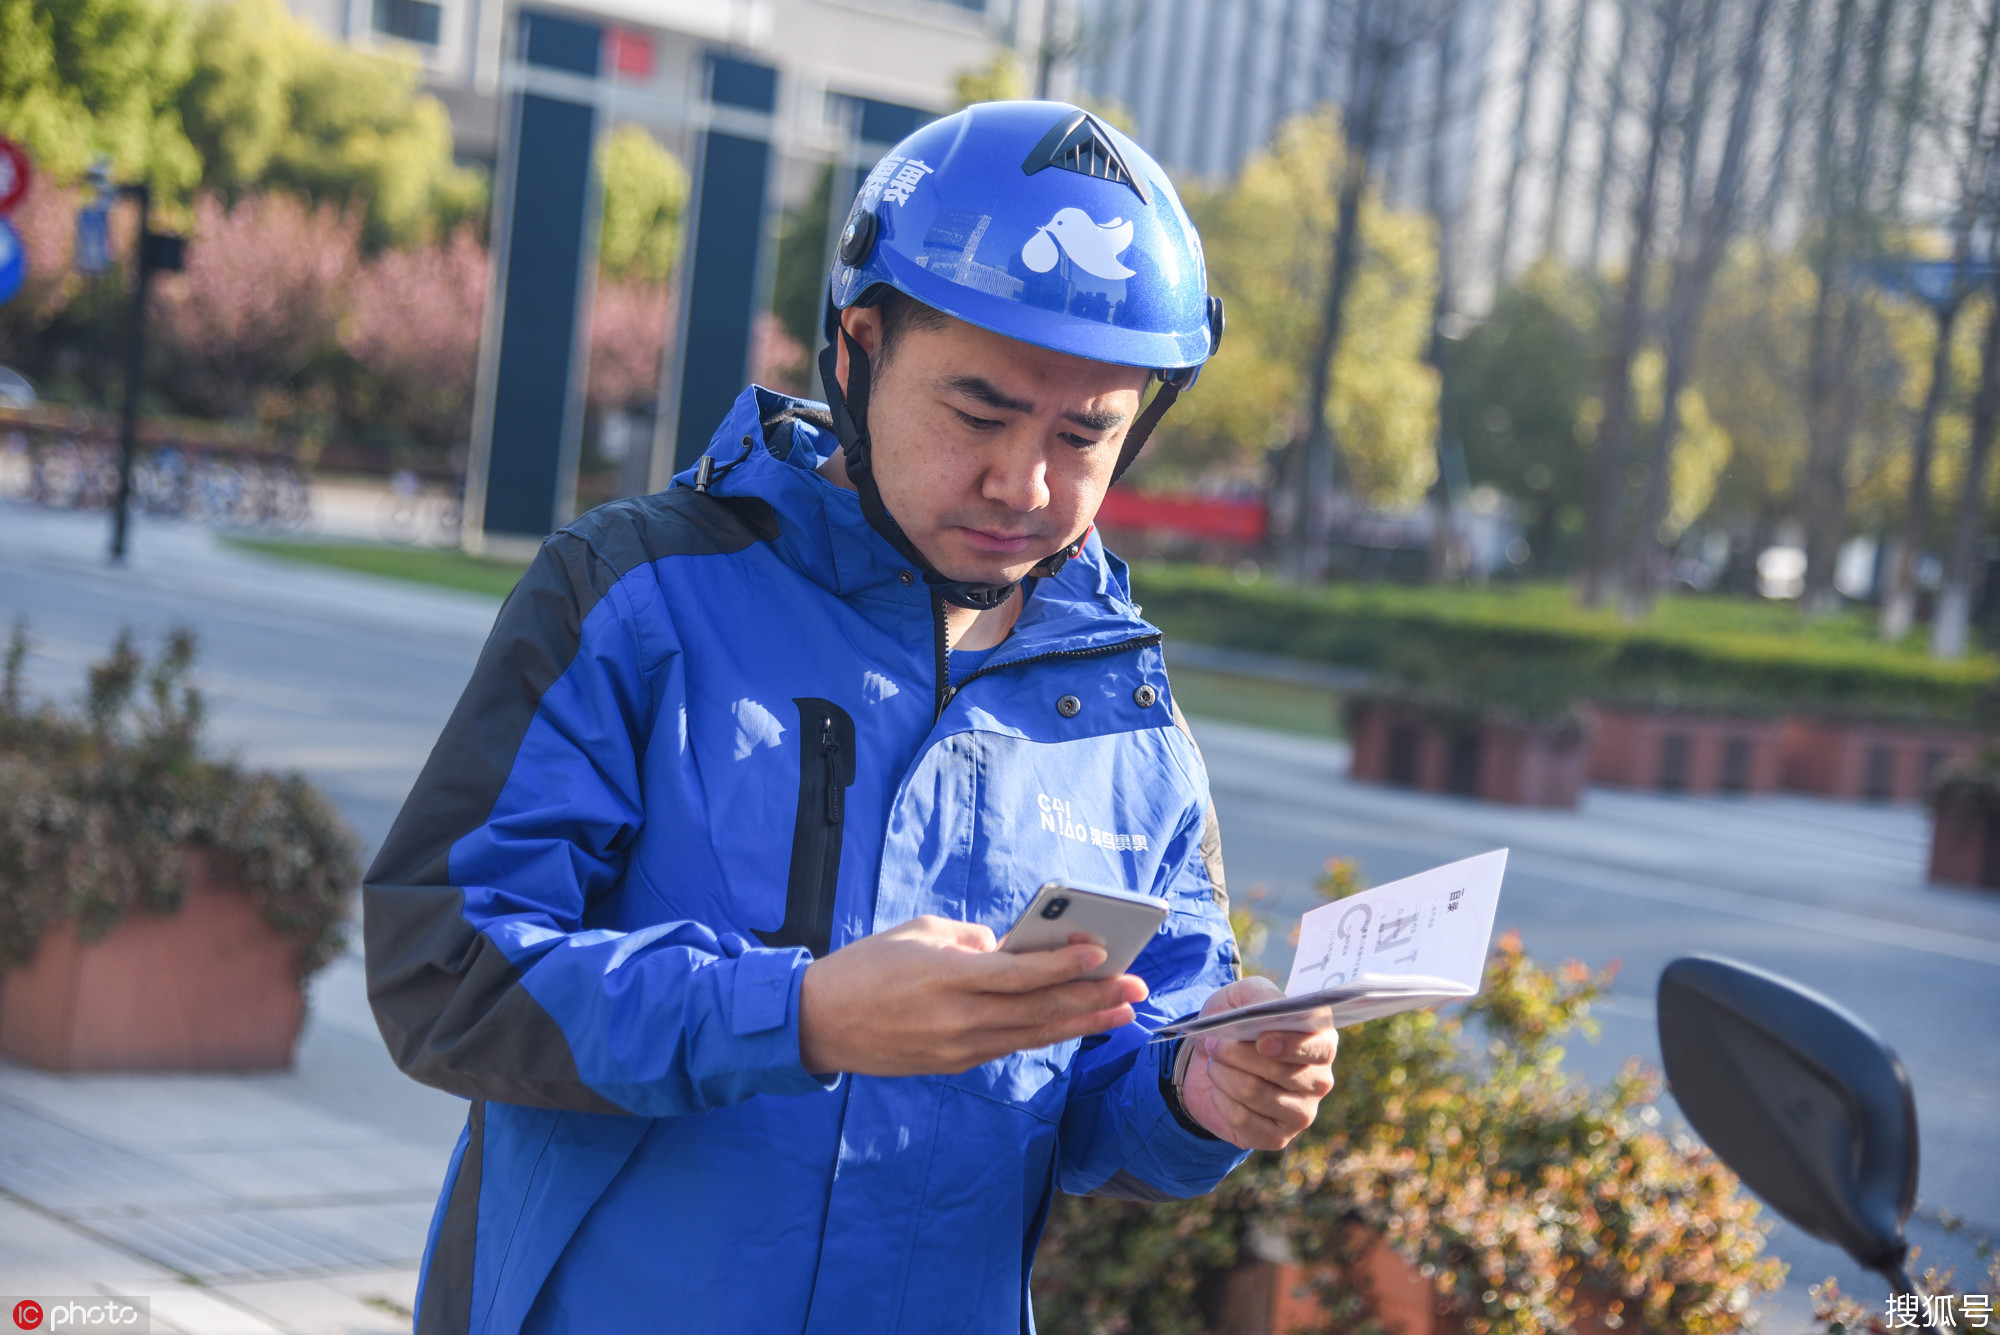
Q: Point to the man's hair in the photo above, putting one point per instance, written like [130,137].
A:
[902,313]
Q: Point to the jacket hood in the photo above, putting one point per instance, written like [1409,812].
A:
[770,447]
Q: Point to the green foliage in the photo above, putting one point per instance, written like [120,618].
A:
[645,198]
[97,808]
[1000,79]
[1267,237]
[1460,1141]
[233,97]
[79,78]
[1514,399]
[798,294]
[1974,785]
[1529,653]
[271,102]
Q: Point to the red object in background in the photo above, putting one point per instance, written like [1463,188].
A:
[1188,516]
[14,176]
[630,53]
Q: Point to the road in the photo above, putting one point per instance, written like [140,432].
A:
[349,679]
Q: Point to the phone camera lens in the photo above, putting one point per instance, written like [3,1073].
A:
[1055,907]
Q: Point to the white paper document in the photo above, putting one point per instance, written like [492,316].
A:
[1401,946]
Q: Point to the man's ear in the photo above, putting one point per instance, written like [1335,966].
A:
[864,325]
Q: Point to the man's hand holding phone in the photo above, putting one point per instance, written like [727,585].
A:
[935,997]
[1257,1095]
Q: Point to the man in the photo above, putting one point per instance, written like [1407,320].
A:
[697,896]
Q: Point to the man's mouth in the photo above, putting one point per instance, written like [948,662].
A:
[1004,544]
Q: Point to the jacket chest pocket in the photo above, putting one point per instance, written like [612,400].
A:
[826,772]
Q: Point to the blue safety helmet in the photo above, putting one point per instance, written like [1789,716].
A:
[1039,222]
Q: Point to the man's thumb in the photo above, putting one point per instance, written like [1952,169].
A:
[1242,992]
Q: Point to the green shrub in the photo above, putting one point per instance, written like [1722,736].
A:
[1460,1140]
[96,808]
[1533,656]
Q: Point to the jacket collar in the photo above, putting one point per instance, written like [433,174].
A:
[823,534]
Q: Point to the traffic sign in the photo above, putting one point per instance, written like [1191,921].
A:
[14,176]
[93,242]
[13,262]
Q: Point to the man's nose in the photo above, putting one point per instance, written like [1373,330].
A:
[1019,480]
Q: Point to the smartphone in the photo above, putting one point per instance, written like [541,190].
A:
[1118,920]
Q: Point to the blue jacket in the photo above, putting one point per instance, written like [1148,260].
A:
[712,736]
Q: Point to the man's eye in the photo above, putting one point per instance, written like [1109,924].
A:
[1081,442]
[978,423]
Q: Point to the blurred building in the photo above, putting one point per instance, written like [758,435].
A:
[1207,83]
[834,58]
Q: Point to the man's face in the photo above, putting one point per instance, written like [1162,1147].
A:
[991,454]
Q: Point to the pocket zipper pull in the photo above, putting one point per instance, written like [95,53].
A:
[830,747]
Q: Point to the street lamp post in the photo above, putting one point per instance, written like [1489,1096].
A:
[157,251]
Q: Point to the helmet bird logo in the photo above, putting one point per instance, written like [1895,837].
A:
[1093,247]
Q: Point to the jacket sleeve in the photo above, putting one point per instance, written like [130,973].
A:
[484,980]
[1118,1136]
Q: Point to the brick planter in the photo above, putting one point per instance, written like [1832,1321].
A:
[1965,844]
[1875,762]
[1411,747]
[211,988]
[1274,1298]
[1686,753]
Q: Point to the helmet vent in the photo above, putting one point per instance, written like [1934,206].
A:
[1079,143]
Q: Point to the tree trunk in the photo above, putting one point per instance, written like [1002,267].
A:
[1797,43]
[1899,599]
[1694,271]
[1518,152]
[1572,93]
[1440,555]
[1366,84]
[1833,400]
[1950,631]
[1909,107]
[1608,461]
[1607,147]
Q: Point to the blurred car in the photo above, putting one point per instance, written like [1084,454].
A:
[16,390]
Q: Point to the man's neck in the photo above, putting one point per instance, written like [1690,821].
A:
[964,627]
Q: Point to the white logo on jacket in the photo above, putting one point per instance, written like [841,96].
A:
[1059,818]
[1091,246]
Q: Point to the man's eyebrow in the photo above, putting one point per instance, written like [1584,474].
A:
[982,390]
[1102,420]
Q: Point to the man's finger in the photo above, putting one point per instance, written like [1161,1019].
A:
[1052,1005]
[1314,1079]
[1002,971]
[1314,1049]
[1287,1112]
[1001,1042]
[950,931]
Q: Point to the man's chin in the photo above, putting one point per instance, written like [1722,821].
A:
[970,566]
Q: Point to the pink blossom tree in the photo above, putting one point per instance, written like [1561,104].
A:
[413,328]
[264,290]
[630,323]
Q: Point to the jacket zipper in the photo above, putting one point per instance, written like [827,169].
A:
[826,768]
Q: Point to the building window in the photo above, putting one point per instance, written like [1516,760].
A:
[411,20]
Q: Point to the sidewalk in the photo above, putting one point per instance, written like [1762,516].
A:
[293,1201]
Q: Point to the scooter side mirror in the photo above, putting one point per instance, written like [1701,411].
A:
[1800,1098]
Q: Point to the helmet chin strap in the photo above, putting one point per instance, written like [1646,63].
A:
[850,425]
